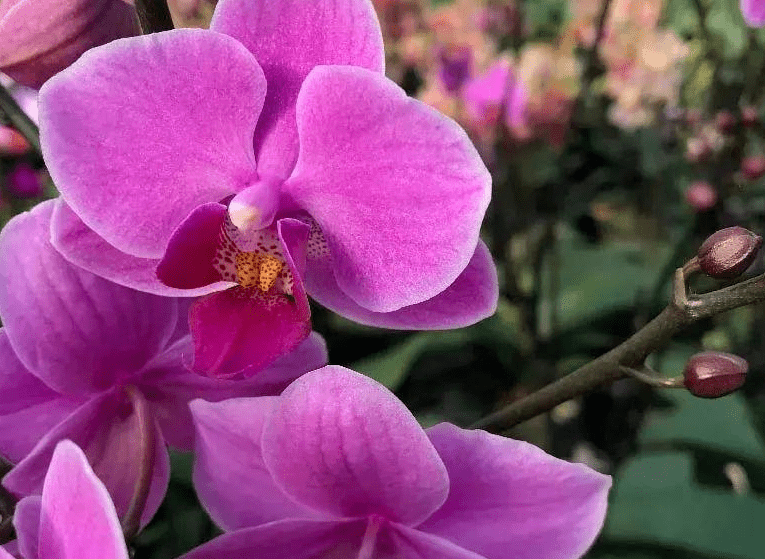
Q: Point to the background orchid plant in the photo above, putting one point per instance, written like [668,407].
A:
[203,203]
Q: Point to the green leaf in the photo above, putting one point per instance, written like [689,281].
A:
[656,501]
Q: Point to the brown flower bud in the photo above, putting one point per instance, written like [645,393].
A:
[753,167]
[729,252]
[712,374]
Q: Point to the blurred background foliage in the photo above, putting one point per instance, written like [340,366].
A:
[617,144]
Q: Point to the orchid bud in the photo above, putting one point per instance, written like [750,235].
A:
[750,117]
[712,374]
[24,182]
[753,167]
[725,122]
[729,252]
[697,150]
[701,196]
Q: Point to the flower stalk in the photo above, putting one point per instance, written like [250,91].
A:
[680,313]
[153,16]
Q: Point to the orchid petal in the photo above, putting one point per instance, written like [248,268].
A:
[230,478]
[26,521]
[28,408]
[135,140]
[78,519]
[42,37]
[169,386]
[76,332]
[403,542]
[241,331]
[5,555]
[288,539]
[289,38]
[472,297]
[82,246]
[398,189]
[326,450]
[509,498]
[754,12]
[188,260]
[107,431]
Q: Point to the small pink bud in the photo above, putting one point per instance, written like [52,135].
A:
[749,116]
[725,121]
[753,167]
[712,374]
[697,150]
[701,196]
[24,182]
[729,252]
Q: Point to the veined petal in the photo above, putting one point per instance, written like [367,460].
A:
[107,430]
[398,189]
[82,246]
[403,542]
[169,386]
[326,450]
[230,478]
[754,12]
[289,38]
[510,499]
[28,408]
[78,519]
[26,521]
[73,330]
[287,539]
[472,297]
[42,37]
[141,131]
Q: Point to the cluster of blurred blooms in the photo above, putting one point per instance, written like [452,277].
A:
[20,177]
[474,61]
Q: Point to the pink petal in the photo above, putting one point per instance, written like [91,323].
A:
[288,39]
[288,539]
[403,542]
[231,480]
[82,246]
[138,133]
[26,521]
[241,331]
[754,12]
[398,190]
[510,499]
[341,443]
[28,408]
[76,332]
[78,519]
[5,555]
[42,37]
[188,260]
[169,386]
[106,429]
[472,297]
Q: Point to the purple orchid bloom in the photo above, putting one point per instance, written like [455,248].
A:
[73,519]
[39,38]
[494,95]
[754,12]
[260,160]
[84,359]
[338,467]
